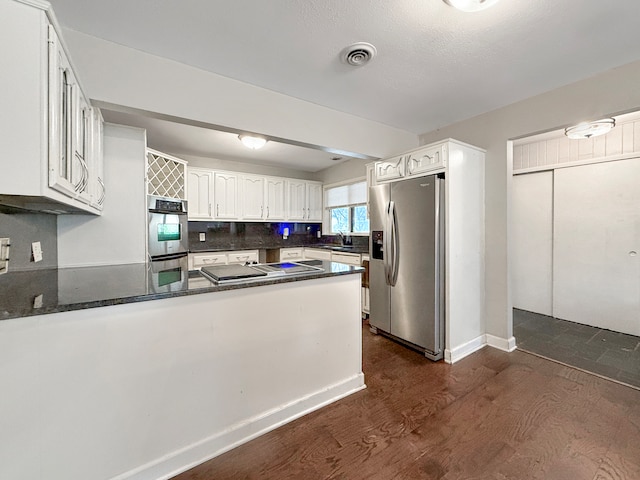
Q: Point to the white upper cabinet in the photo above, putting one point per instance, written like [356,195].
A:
[253,205]
[304,200]
[296,200]
[428,159]
[314,201]
[96,160]
[274,198]
[200,194]
[219,195]
[225,193]
[47,122]
[390,169]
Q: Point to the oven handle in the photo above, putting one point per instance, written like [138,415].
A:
[166,212]
[170,256]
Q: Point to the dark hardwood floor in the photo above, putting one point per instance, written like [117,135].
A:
[493,415]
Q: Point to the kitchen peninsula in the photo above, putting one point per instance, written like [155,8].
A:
[166,380]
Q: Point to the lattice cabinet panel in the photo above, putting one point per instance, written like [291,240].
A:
[166,175]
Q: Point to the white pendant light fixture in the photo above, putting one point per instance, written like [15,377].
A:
[471,5]
[254,143]
[590,129]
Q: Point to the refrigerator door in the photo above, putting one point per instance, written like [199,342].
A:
[379,307]
[415,241]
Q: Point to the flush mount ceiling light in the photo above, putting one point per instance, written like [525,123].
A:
[471,5]
[254,143]
[590,129]
[358,54]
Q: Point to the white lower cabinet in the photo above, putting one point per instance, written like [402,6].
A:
[317,254]
[242,256]
[207,259]
[365,286]
[291,254]
[348,258]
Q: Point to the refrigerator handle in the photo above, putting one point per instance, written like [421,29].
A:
[393,261]
[385,244]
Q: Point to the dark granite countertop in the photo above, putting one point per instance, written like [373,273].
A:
[37,292]
[357,249]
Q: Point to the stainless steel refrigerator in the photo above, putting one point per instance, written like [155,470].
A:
[407,262]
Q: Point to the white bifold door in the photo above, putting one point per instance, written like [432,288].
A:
[596,245]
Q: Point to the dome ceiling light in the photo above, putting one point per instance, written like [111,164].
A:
[590,129]
[254,143]
[471,5]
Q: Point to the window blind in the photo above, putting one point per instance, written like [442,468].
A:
[351,194]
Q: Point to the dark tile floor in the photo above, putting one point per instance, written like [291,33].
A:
[609,354]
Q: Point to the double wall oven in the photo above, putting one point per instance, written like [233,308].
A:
[168,246]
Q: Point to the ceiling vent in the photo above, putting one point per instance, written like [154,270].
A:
[358,54]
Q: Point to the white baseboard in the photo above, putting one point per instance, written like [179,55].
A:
[505,344]
[223,441]
[466,349]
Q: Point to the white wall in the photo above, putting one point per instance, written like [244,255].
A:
[532,242]
[118,235]
[145,390]
[612,92]
[123,76]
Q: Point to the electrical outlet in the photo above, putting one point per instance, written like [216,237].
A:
[319,234]
[36,251]
[5,243]
[203,237]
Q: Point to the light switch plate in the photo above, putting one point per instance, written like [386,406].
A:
[5,244]
[36,251]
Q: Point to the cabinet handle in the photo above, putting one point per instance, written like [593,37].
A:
[308,213]
[209,209]
[217,209]
[261,211]
[267,212]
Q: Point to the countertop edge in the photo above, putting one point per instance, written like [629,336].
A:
[187,292]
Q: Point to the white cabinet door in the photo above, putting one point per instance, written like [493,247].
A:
[317,254]
[242,256]
[62,93]
[314,202]
[348,258]
[390,169]
[200,194]
[253,197]
[96,160]
[596,224]
[80,137]
[199,260]
[296,200]
[291,254]
[274,199]
[427,160]
[225,192]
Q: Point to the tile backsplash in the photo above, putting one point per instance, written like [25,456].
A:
[258,235]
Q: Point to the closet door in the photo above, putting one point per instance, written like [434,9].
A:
[532,240]
[596,263]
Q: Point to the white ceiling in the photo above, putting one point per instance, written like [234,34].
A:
[435,65]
